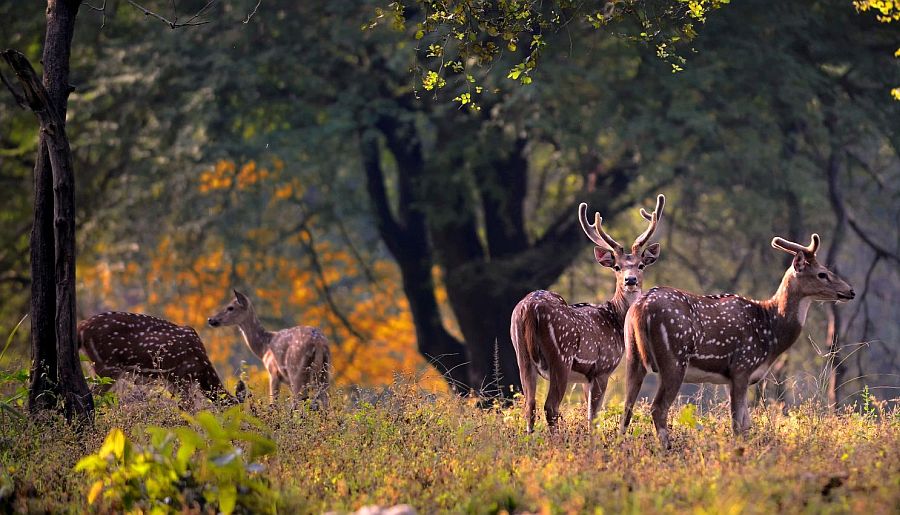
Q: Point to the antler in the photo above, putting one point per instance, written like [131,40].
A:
[793,248]
[599,236]
[654,222]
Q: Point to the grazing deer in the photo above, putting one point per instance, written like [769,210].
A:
[722,339]
[580,342]
[297,355]
[147,347]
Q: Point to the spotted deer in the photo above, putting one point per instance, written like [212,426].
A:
[580,342]
[146,347]
[721,339]
[298,355]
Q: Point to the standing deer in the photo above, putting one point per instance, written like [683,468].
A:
[580,342]
[721,339]
[297,355]
[147,347]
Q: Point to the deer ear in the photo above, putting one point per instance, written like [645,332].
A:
[650,254]
[241,298]
[800,262]
[605,257]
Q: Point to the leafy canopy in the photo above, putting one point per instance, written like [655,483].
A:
[457,36]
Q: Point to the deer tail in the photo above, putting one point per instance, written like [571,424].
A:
[531,333]
[637,337]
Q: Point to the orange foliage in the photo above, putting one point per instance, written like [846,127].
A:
[187,286]
[225,173]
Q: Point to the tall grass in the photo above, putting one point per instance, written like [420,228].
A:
[444,454]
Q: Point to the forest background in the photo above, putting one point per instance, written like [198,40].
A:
[308,162]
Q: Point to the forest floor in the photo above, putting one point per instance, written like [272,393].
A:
[442,454]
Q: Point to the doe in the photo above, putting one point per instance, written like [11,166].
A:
[298,355]
[148,347]
[580,342]
[722,339]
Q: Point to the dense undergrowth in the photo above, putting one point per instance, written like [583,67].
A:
[443,454]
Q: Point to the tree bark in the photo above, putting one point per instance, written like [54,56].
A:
[48,101]
[837,367]
[406,238]
[44,388]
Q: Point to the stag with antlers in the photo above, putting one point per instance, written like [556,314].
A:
[721,339]
[580,342]
[298,355]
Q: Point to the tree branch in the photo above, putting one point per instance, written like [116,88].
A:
[174,23]
[388,227]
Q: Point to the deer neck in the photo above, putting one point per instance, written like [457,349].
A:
[788,309]
[255,335]
[622,300]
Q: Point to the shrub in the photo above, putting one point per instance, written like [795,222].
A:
[196,467]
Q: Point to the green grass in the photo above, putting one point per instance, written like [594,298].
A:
[442,454]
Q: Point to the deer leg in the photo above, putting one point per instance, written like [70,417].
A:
[634,378]
[528,375]
[558,381]
[740,415]
[274,386]
[669,383]
[594,392]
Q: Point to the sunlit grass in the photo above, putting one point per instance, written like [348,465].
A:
[440,453]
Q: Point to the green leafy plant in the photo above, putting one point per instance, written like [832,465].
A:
[210,464]
[687,417]
[17,378]
[869,409]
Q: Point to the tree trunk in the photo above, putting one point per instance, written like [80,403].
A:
[837,367]
[42,394]
[48,101]
[406,238]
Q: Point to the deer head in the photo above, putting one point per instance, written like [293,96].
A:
[234,313]
[811,278]
[628,266]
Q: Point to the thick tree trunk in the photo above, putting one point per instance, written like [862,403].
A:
[406,238]
[42,394]
[48,101]
[484,318]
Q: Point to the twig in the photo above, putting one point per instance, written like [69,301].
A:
[870,241]
[174,24]
[101,10]
[252,12]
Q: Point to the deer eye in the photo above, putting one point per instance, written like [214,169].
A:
[823,275]
[641,266]
[617,268]
[230,308]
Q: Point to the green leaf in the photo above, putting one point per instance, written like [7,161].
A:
[12,334]
[227,498]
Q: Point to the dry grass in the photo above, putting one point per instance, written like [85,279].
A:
[442,454]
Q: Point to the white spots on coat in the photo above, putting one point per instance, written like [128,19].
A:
[717,337]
